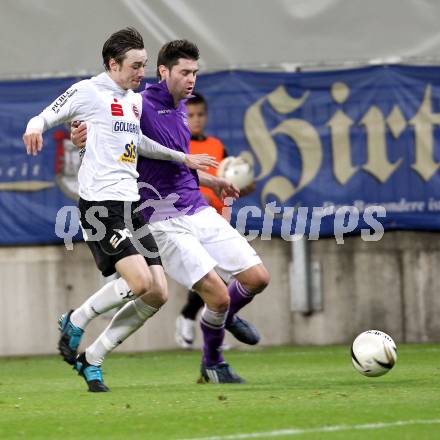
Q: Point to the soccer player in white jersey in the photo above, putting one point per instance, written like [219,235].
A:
[107,184]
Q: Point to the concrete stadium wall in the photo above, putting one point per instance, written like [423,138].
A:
[391,285]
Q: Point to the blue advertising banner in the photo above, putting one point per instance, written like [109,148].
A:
[33,188]
[319,141]
[322,141]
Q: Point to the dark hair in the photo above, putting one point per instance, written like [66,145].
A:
[170,53]
[119,43]
[197,98]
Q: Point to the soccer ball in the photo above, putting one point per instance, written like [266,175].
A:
[373,353]
[236,170]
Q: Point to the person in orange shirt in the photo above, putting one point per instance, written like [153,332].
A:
[197,110]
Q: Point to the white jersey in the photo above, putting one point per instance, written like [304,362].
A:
[108,170]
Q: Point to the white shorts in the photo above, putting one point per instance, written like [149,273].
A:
[191,245]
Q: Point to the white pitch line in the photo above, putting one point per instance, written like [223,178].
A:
[334,428]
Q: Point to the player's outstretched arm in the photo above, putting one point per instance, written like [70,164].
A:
[64,108]
[153,150]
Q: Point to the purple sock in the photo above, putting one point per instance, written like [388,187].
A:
[239,298]
[213,329]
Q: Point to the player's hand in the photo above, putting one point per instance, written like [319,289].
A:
[224,189]
[33,139]
[200,161]
[78,133]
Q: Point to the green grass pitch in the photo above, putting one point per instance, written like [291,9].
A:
[292,392]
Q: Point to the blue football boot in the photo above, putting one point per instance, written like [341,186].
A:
[220,373]
[70,338]
[243,331]
[91,374]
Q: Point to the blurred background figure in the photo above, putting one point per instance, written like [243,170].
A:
[201,142]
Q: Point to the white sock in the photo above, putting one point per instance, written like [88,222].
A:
[111,295]
[213,319]
[126,321]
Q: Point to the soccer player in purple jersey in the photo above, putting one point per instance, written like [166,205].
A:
[198,247]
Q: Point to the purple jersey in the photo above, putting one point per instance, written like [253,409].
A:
[167,189]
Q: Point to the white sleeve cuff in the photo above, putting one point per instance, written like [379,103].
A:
[36,123]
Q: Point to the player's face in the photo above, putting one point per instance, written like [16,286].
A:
[181,78]
[129,74]
[197,118]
